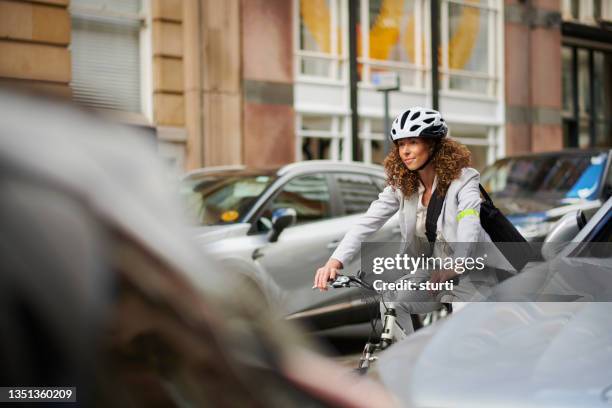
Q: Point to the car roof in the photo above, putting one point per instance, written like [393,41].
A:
[225,171]
[297,167]
[564,152]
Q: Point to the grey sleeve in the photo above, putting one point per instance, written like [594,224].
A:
[468,215]
[379,212]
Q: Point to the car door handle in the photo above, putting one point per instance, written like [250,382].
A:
[396,230]
[334,244]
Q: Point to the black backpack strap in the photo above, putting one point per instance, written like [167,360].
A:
[433,213]
[485,194]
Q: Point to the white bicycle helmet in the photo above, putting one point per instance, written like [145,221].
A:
[418,122]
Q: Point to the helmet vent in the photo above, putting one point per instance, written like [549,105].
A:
[404,117]
[393,131]
[429,120]
[416,115]
[415,127]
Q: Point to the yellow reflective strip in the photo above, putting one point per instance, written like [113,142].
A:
[465,213]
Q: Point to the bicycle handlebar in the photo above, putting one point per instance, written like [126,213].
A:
[346,281]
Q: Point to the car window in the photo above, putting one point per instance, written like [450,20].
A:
[380,182]
[308,195]
[357,192]
[566,178]
[217,200]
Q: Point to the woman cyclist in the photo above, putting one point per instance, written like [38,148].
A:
[424,162]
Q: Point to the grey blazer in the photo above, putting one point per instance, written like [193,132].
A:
[459,221]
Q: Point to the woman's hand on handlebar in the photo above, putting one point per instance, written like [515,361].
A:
[326,273]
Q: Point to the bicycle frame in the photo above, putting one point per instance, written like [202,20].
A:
[392,331]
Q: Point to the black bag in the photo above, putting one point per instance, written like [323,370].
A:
[518,252]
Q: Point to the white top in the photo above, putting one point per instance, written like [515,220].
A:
[421,211]
[421,216]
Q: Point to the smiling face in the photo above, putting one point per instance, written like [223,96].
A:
[414,151]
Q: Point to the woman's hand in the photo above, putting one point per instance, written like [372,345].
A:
[443,275]
[327,273]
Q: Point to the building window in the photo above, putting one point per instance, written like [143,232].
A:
[391,36]
[372,136]
[395,36]
[320,137]
[481,140]
[587,11]
[587,97]
[108,46]
[469,39]
[322,44]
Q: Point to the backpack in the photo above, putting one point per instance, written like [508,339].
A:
[494,222]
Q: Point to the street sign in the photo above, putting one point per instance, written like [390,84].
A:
[386,81]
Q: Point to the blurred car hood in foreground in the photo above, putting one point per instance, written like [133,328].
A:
[103,288]
[507,354]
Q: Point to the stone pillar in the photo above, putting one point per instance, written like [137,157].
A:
[221,84]
[267,53]
[34,39]
[193,72]
[168,100]
[533,76]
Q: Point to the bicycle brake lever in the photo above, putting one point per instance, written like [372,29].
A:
[341,282]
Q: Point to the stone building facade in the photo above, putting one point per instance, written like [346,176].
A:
[264,82]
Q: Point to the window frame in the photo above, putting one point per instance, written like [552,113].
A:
[494,74]
[420,68]
[145,20]
[572,119]
[336,134]
[338,58]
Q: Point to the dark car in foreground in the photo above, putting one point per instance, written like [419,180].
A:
[102,289]
[536,190]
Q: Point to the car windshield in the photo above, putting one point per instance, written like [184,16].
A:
[223,199]
[565,178]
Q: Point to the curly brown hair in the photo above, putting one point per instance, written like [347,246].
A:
[450,158]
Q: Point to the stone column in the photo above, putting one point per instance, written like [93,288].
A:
[221,84]
[267,53]
[34,39]
[533,76]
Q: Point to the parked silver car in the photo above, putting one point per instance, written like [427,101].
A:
[536,190]
[246,217]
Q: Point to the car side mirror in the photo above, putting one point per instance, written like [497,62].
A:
[281,219]
[562,232]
